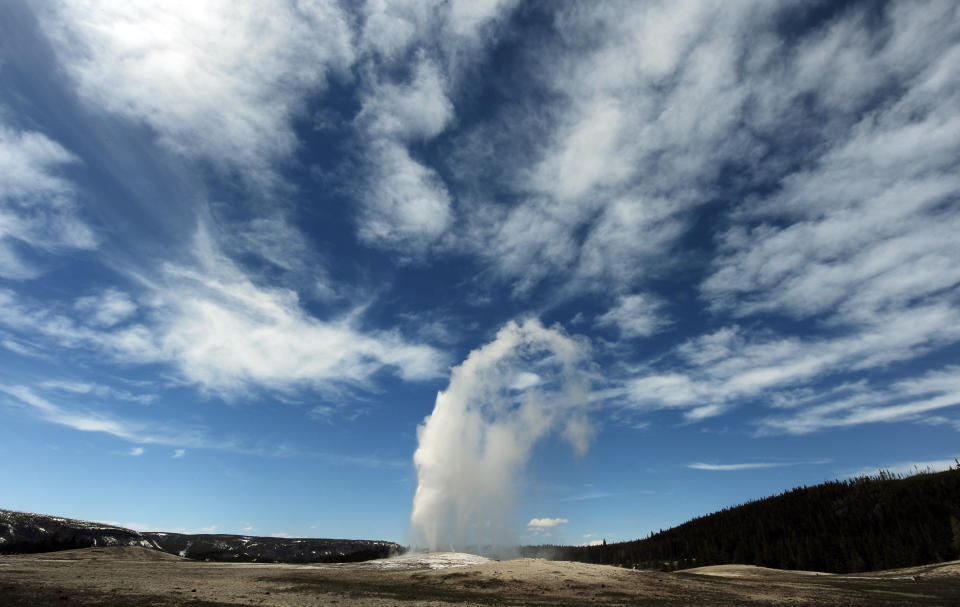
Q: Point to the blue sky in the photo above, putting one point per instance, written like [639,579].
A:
[243,244]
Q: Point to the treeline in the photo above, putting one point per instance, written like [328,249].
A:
[866,523]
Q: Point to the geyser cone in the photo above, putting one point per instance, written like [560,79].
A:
[500,401]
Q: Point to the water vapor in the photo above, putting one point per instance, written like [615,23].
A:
[506,395]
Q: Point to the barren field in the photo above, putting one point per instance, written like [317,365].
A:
[136,576]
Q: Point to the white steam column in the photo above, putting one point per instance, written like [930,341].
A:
[500,401]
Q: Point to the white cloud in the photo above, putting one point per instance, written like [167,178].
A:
[214,78]
[38,208]
[704,411]
[635,316]
[405,204]
[860,239]
[546,523]
[178,453]
[390,27]
[587,155]
[667,390]
[226,333]
[209,529]
[653,104]
[108,308]
[647,103]
[418,109]
[136,451]
[280,534]
[459,28]
[627,243]
[524,380]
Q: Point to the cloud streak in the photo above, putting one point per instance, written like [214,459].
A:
[749,466]
[90,421]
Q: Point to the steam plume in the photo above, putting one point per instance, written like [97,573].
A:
[500,401]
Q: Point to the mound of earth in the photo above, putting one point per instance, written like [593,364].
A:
[748,571]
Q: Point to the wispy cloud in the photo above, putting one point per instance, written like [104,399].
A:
[752,465]
[136,451]
[178,453]
[90,421]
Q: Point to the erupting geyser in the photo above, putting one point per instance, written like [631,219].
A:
[500,401]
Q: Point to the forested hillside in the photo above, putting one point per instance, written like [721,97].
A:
[860,524]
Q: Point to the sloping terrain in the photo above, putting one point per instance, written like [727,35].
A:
[22,533]
[128,577]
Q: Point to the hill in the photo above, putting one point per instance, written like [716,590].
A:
[22,532]
[846,526]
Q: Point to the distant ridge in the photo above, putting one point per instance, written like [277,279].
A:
[866,523]
[22,532]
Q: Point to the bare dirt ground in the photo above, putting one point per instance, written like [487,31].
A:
[124,577]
